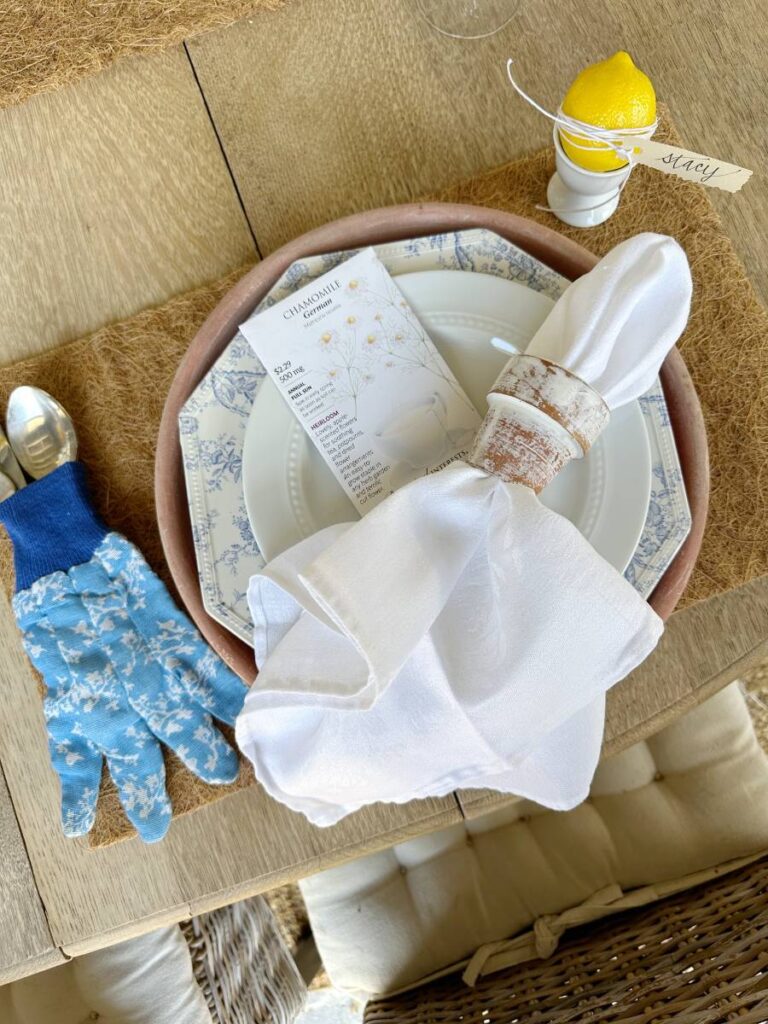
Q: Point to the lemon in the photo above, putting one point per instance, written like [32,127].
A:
[611,94]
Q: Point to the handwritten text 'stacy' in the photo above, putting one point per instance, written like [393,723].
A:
[691,166]
[355,365]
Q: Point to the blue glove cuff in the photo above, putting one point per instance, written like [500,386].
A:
[52,524]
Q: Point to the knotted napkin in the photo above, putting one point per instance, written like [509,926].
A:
[462,634]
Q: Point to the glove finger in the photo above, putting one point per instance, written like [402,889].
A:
[210,683]
[77,762]
[135,762]
[106,717]
[170,636]
[157,699]
[191,734]
[180,649]
[140,781]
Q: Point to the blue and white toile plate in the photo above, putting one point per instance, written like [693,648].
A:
[213,422]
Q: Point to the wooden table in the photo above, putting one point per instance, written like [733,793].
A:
[167,171]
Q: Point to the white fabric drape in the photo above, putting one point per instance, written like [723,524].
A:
[462,634]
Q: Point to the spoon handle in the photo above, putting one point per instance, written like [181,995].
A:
[9,464]
[7,486]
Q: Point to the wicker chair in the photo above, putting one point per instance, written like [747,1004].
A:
[242,965]
[700,957]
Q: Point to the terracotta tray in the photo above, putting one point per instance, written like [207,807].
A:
[376,226]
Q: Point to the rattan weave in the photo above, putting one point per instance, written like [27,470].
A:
[696,958]
[242,965]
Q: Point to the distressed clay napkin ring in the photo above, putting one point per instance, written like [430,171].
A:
[540,416]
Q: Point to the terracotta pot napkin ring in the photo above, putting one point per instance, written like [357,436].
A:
[540,416]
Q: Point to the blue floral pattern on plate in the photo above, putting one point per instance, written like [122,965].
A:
[213,421]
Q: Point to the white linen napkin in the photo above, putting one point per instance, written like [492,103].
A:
[462,634]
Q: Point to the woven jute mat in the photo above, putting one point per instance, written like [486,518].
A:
[46,44]
[114,383]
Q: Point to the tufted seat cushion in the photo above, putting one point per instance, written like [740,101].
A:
[691,797]
[145,980]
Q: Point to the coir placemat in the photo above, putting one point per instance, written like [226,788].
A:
[47,44]
[114,383]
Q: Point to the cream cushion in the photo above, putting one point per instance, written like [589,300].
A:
[146,980]
[693,796]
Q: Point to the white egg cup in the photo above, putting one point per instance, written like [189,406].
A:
[580,197]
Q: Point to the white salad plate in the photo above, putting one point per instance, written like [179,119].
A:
[212,427]
[290,492]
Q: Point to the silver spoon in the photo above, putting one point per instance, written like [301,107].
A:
[8,464]
[7,486]
[40,431]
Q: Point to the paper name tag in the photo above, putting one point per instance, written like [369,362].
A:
[691,166]
[357,368]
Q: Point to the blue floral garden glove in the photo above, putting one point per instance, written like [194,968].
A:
[124,668]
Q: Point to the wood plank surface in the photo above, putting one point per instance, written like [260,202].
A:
[26,944]
[333,106]
[114,197]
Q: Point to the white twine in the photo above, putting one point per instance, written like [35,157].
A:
[610,138]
